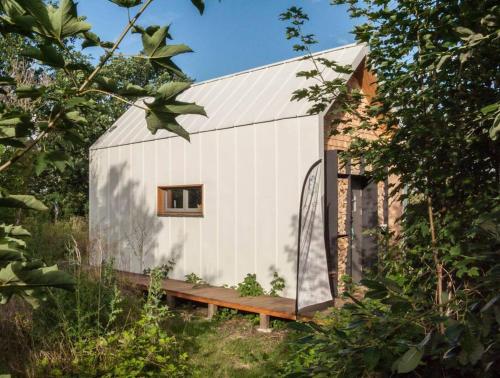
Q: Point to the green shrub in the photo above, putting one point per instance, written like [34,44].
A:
[277,284]
[224,314]
[164,269]
[193,278]
[137,349]
[250,287]
[196,280]
[49,240]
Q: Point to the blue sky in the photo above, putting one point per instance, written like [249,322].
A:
[231,36]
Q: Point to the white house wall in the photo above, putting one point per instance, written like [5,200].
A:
[252,177]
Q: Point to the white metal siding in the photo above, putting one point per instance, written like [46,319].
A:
[251,154]
[252,178]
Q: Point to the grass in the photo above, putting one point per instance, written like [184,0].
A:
[227,348]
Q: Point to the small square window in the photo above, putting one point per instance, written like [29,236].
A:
[180,201]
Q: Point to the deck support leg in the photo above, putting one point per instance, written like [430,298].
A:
[212,310]
[265,323]
[170,301]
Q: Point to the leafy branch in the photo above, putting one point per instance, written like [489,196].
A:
[51,35]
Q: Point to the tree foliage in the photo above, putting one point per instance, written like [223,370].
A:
[431,308]
[45,119]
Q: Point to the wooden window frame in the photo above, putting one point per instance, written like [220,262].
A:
[161,209]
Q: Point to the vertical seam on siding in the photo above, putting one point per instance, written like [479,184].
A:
[299,170]
[217,200]
[236,196]
[276,201]
[200,220]
[143,190]
[184,234]
[108,200]
[255,198]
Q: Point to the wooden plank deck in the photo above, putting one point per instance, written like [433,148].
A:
[278,307]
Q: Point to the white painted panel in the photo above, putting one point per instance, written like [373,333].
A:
[121,206]
[103,204]
[192,254]
[140,233]
[288,199]
[209,258]
[115,174]
[226,203]
[178,236]
[148,202]
[163,153]
[245,202]
[265,202]
[94,211]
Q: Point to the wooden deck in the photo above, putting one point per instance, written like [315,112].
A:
[278,307]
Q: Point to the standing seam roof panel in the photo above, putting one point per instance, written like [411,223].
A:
[259,95]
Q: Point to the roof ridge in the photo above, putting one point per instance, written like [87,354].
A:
[351,45]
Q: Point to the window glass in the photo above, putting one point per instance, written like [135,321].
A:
[175,198]
[180,201]
[194,198]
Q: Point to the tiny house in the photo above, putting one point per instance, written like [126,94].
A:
[259,189]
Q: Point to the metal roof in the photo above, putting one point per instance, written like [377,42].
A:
[257,95]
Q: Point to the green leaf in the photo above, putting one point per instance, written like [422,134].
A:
[21,201]
[79,102]
[38,12]
[169,90]
[133,90]
[12,120]
[184,108]
[76,117]
[490,108]
[442,61]
[200,5]
[8,256]
[300,327]
[25,277]
[127,3]
[15,230]
[107,84]
[92,39]
[7,80]
[29,91]
[408,361]
[463,30]
[16,16]
[157,120]
[12,143]
[154,41]
[371,356]
[46,54]
[55,23]
[65,20]
[57,159]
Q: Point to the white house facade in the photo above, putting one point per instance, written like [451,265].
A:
[227,203]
